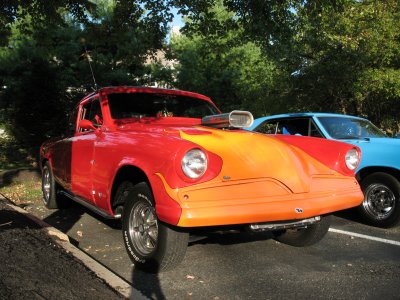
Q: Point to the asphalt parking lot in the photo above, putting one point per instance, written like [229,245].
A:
[354,261]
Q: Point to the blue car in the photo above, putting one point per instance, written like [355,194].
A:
[379,170]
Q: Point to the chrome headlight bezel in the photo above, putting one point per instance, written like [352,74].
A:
[352,159]
[194,163]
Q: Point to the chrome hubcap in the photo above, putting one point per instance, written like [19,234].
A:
[379,201]
[143,228]
[46,187]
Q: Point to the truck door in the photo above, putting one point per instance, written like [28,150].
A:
[62,154]
[83,151]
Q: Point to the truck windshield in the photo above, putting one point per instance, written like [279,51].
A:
[350,128]
[136,105]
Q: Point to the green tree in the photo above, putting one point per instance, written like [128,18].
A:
[349,52]
[219,64]
[36,77]
[43,62]
[339,56]
[41,13]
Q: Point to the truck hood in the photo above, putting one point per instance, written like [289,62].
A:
[245,155]
[248,155]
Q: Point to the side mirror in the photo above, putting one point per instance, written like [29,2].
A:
[87,125]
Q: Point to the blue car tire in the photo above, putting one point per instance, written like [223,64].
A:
[381,205]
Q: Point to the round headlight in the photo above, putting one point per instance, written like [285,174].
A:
[352,159]
[194,163]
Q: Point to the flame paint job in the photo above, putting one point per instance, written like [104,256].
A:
[379,153]
[268,179]
[250,177]
[330,153]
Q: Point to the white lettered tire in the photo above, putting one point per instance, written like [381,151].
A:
[151,244]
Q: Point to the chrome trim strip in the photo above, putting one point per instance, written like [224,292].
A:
[89,205]
[284,225]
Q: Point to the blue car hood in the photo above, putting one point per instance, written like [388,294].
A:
[377,141]
[378,152]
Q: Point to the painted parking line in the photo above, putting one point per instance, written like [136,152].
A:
[363,236]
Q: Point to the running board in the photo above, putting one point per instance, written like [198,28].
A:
[89,205]
[284,225]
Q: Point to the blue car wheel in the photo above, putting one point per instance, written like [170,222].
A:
[381,205]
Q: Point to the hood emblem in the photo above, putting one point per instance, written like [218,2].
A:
[298,210]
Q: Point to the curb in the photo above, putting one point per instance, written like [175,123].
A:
[113,280]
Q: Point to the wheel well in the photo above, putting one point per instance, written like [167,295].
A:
[127,173]
[43,162]
[367,171]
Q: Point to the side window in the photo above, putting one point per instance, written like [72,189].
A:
[268,127]
[95,113]
[294,126]
[299,126]
[92,111]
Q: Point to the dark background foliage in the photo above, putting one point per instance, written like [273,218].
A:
[264,56]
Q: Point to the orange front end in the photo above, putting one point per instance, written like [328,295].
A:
[262,179]
[263,200]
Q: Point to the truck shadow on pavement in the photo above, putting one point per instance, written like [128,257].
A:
[350,215]
[147,284]
[66,218]
[230,237]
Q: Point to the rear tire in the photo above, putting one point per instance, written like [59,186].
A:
[381,205]
[304,237]
[51,198]
[152,245]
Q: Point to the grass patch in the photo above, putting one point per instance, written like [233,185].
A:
[18,181]
[23,192]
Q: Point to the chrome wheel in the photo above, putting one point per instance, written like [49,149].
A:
[51,198]
[152,245]
[46,185]
[143,228]
[379,201]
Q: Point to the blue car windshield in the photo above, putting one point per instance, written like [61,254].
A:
[350,128]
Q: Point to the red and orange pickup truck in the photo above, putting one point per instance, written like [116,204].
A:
[168,161]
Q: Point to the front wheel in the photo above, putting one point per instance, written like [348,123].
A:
[303,237]
[381,205]
[151,244]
